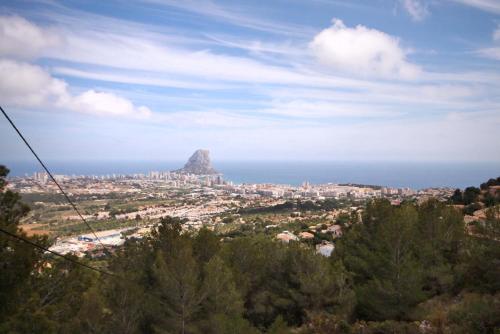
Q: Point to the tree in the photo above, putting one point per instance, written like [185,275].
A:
[481,267]
[490,183]
[396,286]
[381,253]
[319,285]
[344,219]
[257,266]
[491,198]
[223,305]
[471,195]
[18,260]
[279,326]
[457,197]
[91,317]
[178,286]
[125,302]
[58,289]
[476,314]
[440,241]
[205,245]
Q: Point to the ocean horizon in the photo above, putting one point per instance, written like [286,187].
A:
[415,175]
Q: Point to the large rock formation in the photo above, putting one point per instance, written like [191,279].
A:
[199,164]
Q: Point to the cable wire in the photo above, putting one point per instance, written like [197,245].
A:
[74,207]
[52,177]
[67,258]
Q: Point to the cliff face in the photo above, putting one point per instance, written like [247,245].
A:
[199,164]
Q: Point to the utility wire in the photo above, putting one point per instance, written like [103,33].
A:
[67,258]
[74,207]
[52,177]
[70,202]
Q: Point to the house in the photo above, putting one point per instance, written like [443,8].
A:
[336,230]
[286,236]
[469,219]
[480,215]
[271,226]
[325,248]
[306,235]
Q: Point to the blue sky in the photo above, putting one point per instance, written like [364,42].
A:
[283,80]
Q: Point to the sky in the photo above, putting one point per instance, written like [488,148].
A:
[388,80]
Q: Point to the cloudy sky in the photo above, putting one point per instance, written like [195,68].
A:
[291,79]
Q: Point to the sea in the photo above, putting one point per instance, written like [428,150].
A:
[415,175]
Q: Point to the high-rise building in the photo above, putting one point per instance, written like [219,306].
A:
[41,177]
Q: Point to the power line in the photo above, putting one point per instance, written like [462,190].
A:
[52,177]
[67,258]
[74,207]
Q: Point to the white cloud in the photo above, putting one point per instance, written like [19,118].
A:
[102,103]
[151,61]
[496,34]
[437,138]
[312,109]
[159,62]
[21,38]
[22,84]
[257,47]
[235,16]
[211,119]
[145,55]
[138,79]
[26,85]
[383,100]
[492,53]
[362,51]
[416,9]
[486,5]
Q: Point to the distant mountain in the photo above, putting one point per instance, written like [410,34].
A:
[199,164]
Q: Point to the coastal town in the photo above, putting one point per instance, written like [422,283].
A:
[128,206]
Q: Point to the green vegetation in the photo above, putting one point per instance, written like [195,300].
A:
[54,211]
[53,198]
[473,199]
[289,206]
[81,228]
[405,269]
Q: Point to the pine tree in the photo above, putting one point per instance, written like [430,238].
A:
[18,260]
[178,286]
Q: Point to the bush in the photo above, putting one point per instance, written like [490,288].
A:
[476,314]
